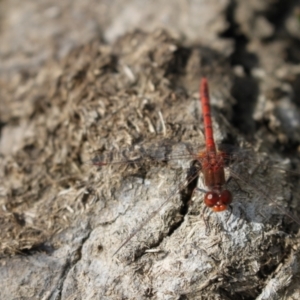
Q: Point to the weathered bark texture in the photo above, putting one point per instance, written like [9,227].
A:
[87,77]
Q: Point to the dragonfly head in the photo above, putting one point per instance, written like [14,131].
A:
[218,201]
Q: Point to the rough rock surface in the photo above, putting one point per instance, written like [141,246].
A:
[71,91]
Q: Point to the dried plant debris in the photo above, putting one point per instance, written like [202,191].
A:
[98,98]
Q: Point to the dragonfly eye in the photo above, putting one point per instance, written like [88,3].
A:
[218,201]
[211,199]
[225,197]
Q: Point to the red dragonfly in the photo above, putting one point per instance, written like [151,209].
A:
[212,163]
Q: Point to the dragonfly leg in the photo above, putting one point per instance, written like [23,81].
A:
[230,208]
[206,221]
[205,208]
[201,190]
[228,180]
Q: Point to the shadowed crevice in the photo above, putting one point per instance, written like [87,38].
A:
[187,194]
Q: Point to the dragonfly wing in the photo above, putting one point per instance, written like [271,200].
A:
[163,151]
